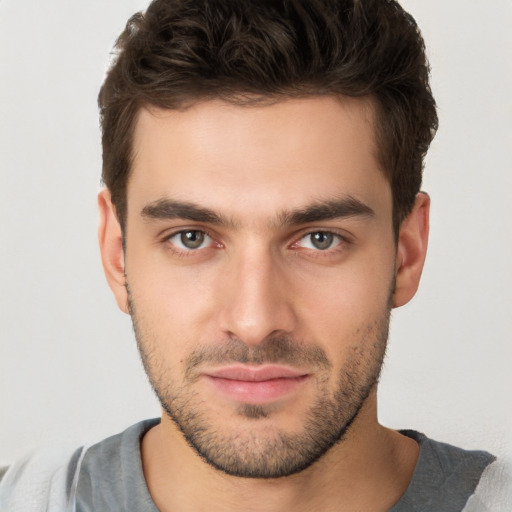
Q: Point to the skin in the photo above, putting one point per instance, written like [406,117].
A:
[259,277]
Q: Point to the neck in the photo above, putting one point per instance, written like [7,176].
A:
[368,470]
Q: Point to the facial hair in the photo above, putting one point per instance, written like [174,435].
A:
[267,453]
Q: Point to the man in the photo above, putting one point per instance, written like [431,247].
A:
[262,217]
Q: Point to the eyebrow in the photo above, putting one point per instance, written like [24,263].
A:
[171,209]
[344,207]
[347,206]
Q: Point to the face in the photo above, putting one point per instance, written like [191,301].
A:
[260,263]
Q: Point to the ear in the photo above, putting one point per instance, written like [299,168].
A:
[111,247]
[411,251]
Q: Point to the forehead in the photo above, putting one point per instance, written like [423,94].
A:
[258,159]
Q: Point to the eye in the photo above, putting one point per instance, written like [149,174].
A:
[190,240]
[320,240]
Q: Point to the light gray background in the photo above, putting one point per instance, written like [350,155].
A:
[69,369]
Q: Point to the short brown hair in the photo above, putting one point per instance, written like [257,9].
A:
[246,51]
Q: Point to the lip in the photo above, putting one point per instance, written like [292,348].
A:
[255,373]
[255,385]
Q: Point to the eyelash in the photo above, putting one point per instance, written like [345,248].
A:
[186,252]
[338,240]
[343,241]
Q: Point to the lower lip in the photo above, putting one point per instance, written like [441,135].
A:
[257,392]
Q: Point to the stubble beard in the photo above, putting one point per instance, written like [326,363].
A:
[268,453]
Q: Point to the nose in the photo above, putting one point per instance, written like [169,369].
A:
[256,300]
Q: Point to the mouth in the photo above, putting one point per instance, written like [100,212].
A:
[255,385]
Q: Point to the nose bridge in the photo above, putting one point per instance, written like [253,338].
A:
[255,303]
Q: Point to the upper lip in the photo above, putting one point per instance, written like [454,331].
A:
[255,373]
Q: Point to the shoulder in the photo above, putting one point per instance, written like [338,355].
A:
[445,476]
[451,461]
[50,480]
[40,482]
[111,473]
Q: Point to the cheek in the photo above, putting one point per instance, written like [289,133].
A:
[338,303]
[173,302]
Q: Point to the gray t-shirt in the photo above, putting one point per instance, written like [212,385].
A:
[108,477]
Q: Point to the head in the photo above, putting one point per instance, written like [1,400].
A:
[262,217]
[180,52]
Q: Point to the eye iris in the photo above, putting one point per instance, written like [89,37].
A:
[322,240]
[192,239]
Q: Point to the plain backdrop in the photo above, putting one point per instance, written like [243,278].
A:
[69,368]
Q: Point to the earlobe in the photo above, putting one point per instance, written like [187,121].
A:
[111,246]
[411,250]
